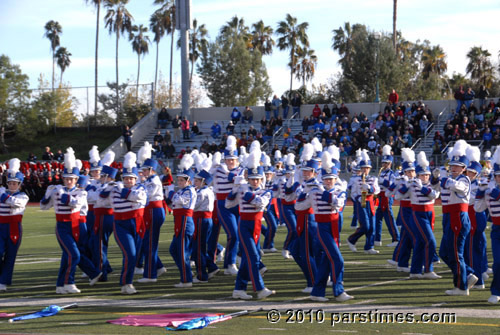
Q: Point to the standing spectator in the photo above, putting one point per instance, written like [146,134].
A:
[267,108]
[235,115]
[176,124]
[47,155]
[343,110]
[469,97]
[482,95]
[327,111]
[284,105]
[305,124]
[185,128]
[459,97]
[158,138]
[127,138]
[247,115]
[393,99]
[216,130]
[167,137]
[296,103]
[316,112]
[163,118]
[423,124]
[276,106]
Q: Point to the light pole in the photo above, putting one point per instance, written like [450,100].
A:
[377,36]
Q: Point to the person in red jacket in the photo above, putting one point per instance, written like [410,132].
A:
[393,99]
[316,112]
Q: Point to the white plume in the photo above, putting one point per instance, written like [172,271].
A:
[364,155]
[195,151]
[266,160]
[216,158]
[14,165]
[108,158]
[197,159]
[290,159]
[255,146]
[408,155]
[186,162]
[130,160]
[94,155]
[422,159]
[334,152]
[459,148]
[206,164]
[243,150]
[386,150]
[326,161]
[487,154]
[496,155]
[231,143]
[449,154]
[307,152]
[69,159]
[277,155]
[79,164]
[318,147]
[473,153]
[253,160]
[358,155]
[144,152]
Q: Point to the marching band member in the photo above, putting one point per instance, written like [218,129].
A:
[488,196]
[67,201]
[340,185]
[278,175]
[355,171]
[458,223]
[326,202]
[226,177]
[287,200]
[213,247]
[252,200]
[270,214]
[154,216]
[183,202]
[363,190]
[384,209]
[95,175]
[422,196]
[306,250]
[128,201]
[407,240]
[475,244]
[12,205]
[203,208]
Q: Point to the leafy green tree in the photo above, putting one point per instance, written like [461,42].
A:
[14,97]
[52,31]
[111,104]
[292,35]
[140,45]
[63,60]
[232,74]
[479,66]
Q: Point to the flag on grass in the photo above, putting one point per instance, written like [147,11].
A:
[47,311]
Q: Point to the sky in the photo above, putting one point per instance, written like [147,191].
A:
[455,25]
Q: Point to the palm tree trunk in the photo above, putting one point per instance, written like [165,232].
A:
[138,73]
[60,82]
[171,69]
[96,58]
[53,68]
[2,139]
[394,18]
[156,69]
[291,68]
[118,112]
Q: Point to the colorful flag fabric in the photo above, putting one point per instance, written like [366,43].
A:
[160,320]
[47,311]
[7,315]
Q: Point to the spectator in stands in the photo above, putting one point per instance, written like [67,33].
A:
[278,123]
[163,118]
[355,124]
[316,112]
[459,97]
[59,156]
[407,139]
[31,157]
[235,115]
[423,124]
[305,124]
[284,105]
[252,131]
[438,136]
[176,124]
[469,96]
[47,155]
[158,138]
[267,108]
[216,130]
[195,130]
[242,141]
[127,138]
[247,115]
[185,128]
[263,124]
[230,128]
[276,103]
[167,137]
[343,110]
[393,99]
[487,138]
[296,103]
[157,149]
[327,111]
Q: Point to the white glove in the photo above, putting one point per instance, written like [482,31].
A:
[365,187]
[483,187]
[486,172]
[238,180]
[170,187]
[442,172]
[436,173]
[417,183]
[405,178]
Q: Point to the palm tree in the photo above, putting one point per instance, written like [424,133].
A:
[394,18]
[434,61]
[306,64]
[118,20]
[167,9]
[63,60]
[97,4]
[236,27]
[157,26]
[291,34]
[479,66]
[343,43]
[262,38]
[140,44]
[197,43]
[52,31]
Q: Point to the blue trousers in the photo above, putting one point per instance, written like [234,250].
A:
[126,238]
[100,244]
[331,263]
[270,231]
[475,248]
[8,252]
[454,244]
[181,249]
[354,221]
[203,229]
[213,245]
[228,217]
[152,261]
[495,248]
[388,217]
[291,224]
[250,259]
[70,254]
[425,243]
[86,264]
[366,226]
[407,240]
[306,249]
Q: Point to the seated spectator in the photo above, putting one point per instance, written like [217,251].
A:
[230,128]
[158,138]
[316,112]
[487,138]
[407,139]
[47,155]
[263,124]
[278,123]
[438,136]
[343,110]
[167,137]
[327,111]
[242,141]
[195,130]
[305,124]
[59,156]
[216,130]
[355,124]
[157,149]
[423,124]
[235,115]
[247,115]
[319,126]
[31,157]
[252,131]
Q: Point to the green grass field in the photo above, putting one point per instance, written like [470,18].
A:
[377,287]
